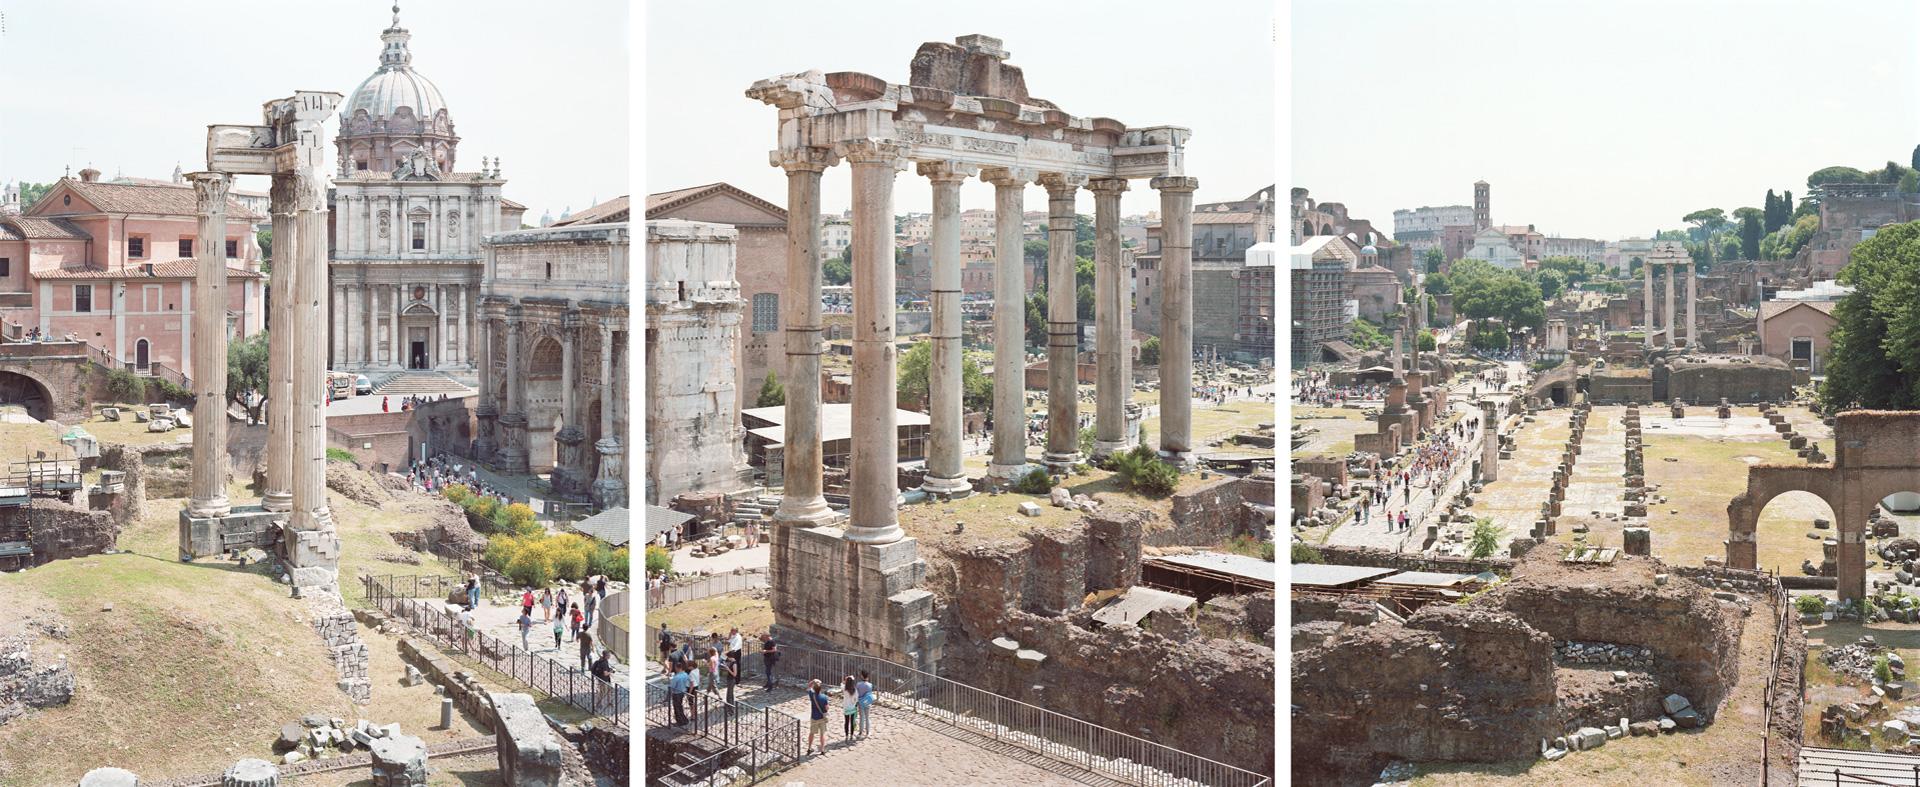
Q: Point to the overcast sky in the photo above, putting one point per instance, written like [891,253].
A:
[1206,66]
[1595,119]
[131,86]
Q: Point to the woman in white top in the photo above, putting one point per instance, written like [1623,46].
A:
[849,703]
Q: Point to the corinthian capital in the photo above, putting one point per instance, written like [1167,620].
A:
[309,190]
[1009,177]
[1107,186]
[872,151]
[210,190]
[947,171]
[1176,183]
[802,159]
[1061,185]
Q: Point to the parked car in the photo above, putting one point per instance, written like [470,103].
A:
[362,386]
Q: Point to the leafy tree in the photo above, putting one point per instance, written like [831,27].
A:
[1082,235]
[1824,176]
[1150,351]
[772,393]
[1750,237]
[837,271]
[1037,320]
[1435,259]
[1910,182]
[126,387]
[1438,284]
[31,193]
[1426,342]
[1303,553]
[247,373]
[1083,305]
[1742,214]
[1035,482]
[1771,217]
[1572,269]
[1874,360]
[1141,470]
[1035,252]
[265,239]
[659,561]
[1552,283]
[1916,156]
[1485,539]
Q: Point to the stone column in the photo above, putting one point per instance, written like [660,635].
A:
[513,422]
[1673,334]
[488,410]
[313,548]
[1646,292]
[1693,297]
[801,499]
[1176,317]
[210,349]
[944,384]
[1009,325]
[610,488]
[1063,326]
[280,343]
[1112,325]
[569,472]
[873,472]
[440,333]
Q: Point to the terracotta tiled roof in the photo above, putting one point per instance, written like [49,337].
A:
[1770,308]
[175,269]
[160,200]
[507,203]
[657,204]
[29,228]
[611,211]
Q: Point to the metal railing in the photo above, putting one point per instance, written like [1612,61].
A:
[1782,600]
[771,737]
[611,635]
[710,586]
[399,597]
[993,718]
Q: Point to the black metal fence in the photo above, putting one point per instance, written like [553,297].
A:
[764,739]
[419,601]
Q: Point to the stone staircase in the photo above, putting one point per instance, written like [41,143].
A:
[420,384]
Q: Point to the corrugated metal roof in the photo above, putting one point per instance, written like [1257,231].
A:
[1323,575]
[1851,768]
[661,519]
[1238,565]
[609,526]
[1425,579]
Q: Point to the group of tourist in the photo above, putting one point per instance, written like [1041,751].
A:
[856,704]
[561,612]
[409,402]
[439,471]
[714,664]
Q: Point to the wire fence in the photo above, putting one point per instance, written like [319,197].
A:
[998,719]
[709,586]
[420,602]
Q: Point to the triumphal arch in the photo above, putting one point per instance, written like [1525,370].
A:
[963,113]
[1873,457]
[292,517]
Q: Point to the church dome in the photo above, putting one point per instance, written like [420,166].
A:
[395,113]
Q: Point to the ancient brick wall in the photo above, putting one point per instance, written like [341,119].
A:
[1405,561]
[1758,379]
[58,531]
[1113,547]
[1205,516]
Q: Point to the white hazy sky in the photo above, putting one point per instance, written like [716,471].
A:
[1205,66]
[1595,119]
[132,86]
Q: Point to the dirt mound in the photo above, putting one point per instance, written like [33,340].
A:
[357,485]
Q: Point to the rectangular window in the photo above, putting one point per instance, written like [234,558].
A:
[766,312]
[137,247]
[186,248]
[419,236]
[83,298]
[233,249]
[6,267]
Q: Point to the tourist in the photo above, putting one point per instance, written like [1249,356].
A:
[574,625]
[473,591]
[526,602]
[864,692]
[677,688]
[849,704]
[586,648]
[559,628]
[603,674]
[817,720]
[546,604]
[560,601]
[734,641]
[466,628]
[730,670]
[713,669]
[383,405]
[526,627]
[693,676]
[591,600]
[770,656]
[666,643]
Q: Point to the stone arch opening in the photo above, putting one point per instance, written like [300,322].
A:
[544,361]
[21,390]
[1781,539]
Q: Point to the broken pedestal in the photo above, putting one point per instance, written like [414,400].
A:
[243,527]
[862,598]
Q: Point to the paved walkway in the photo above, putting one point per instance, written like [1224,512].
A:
[1513,502]
[754,558]
[1598,485]
[1426,500]
[503,621]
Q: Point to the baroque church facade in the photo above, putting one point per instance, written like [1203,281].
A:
[407,228]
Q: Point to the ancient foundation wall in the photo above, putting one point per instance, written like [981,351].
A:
[57,531]
[1409,561]
[1209,515]
[1763,380]
[863,598]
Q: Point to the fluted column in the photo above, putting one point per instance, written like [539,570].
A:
[945,390]
[1009,324]
[1110,320]
[280,343]
[1693,297]
[210,348]
[610,488]
[802,500]
[1176,316]
[1063,325]
[874,466]
[1646,292]
[487,412]
[570,472]
[513,422]
[1673,334]
[311,546]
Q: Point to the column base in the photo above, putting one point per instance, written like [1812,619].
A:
[957,486]
[805,513]
[1062,462]
[855,597]
[210,508]
[277,502]
[996,470]
[873,535]
[1181,459]
[1106,448]
[204,536]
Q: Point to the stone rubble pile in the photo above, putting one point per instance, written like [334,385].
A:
[1854,660]
[338,631]
[1571,652]
[25,684]
[317,737]
[1680,714]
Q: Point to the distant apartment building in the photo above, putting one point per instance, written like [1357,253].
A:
[1321,310]
[1232,314]
[1425,227]
[1586,250]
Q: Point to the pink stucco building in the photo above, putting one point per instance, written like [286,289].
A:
[112,265]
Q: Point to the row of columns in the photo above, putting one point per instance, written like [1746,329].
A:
[874,460]
[356,325]
[501,435]
[1666,317]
